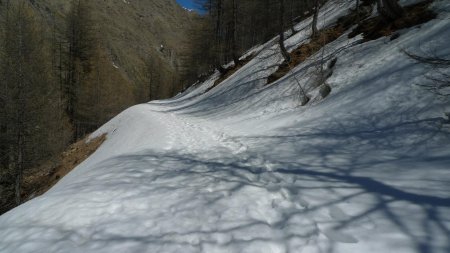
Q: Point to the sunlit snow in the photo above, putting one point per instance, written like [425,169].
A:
[244,168]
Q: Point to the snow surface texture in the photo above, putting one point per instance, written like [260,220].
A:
[244,168]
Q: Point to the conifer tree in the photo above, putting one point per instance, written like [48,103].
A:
[30,118]
[80,48]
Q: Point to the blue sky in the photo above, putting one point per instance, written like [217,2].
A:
[187,3]
[190,4]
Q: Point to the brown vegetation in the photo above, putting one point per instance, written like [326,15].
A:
[232,27]
[230,71]
[317,41]
[371,29]
[377,27]
[38,180]
[306,50]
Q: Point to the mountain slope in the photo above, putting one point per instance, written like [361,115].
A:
[242,167]
[129,59]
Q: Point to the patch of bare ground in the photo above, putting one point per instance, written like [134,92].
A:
[38,180]
[326,35]
[230,71]
[306,50]
[377,27]
[371,28]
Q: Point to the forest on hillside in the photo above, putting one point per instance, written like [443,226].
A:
[56,86]
[57,83]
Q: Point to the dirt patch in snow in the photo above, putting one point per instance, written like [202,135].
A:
[302,53]
[230,71]
[37,181]
[376,27]
[371,28]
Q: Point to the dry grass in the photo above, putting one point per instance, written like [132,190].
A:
[230,71]
[325,36]
[37,181]
[302,53]
[374,28]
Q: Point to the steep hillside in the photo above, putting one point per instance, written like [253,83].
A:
[246,166]
[130,58]
[126,66]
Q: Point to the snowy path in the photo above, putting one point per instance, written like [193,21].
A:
[220,199]
[243,168]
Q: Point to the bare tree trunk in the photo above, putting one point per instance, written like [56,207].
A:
[173,91]
[267,20]
[315,31]
[291,18]
[20,162]
[218,37]
[389,10]
[284,52]
[234,35]
[20,112]
[358,19]
[150,85]
[70,80]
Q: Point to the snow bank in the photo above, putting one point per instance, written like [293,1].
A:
[244,168]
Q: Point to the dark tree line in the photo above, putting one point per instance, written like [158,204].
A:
[231,27]
[55,86]
[78,45]
[31,119]
[42,70]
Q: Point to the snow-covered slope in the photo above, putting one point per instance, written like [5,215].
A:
[244,168]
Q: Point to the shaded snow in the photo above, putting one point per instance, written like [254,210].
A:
[244,168]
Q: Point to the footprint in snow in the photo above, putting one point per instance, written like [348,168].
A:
[337,213]
[337,236]
[303,203]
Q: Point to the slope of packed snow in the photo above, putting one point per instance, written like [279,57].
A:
[244,168]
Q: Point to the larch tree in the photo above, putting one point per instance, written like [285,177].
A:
[241,24]
[218,33]
[281,14]
[80,47]
[315,30]
[30,114]
[234,33]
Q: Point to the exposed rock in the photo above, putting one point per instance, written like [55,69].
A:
[325,90]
